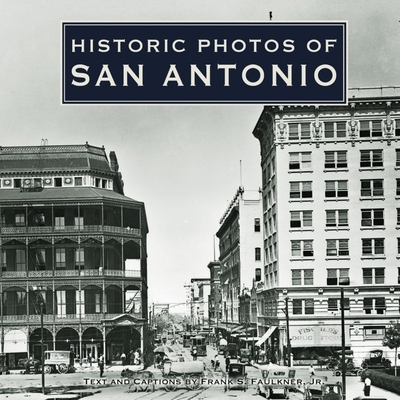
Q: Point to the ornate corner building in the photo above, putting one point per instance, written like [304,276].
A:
[73,252]
[331,190]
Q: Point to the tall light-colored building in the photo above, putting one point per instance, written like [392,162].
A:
[331,191]
[240,248]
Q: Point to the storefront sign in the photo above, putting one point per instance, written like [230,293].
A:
[317,335]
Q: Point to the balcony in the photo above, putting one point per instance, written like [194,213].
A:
[70,318]
[71,273]
[40,230]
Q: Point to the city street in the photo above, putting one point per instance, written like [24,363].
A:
[86,382]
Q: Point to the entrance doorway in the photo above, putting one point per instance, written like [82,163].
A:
[37,351]
[91,352]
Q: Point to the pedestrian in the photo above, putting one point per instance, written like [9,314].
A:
[227,362]
[367,386]
[131,357]
[123,358]
[194,353]
[89,357]
[311,370]
[136,357]
[101,365]
[256,354]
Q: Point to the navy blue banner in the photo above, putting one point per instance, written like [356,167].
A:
[204,63]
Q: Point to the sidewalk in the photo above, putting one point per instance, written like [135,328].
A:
[354,388]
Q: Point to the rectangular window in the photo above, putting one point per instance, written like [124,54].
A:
[78,181]
[303,306]
[336,189]
[337,218]
[19,219]
[296,277]
[335,130]
[373,276]
[60,258]
[334,304]
[372,188]
[300,190]
[371,158]
[371,247]
[374,332]
[335,159]
[257,225]
[374,305]
[20,259]
[59,223]
[337,247]
[302,277]
[397,157]
[371,128]
[79,258]
[297,306]
[397,187]
[299,161]
[301,219]
[305,131]
[338,276]
[372,217]
[58,182]
[302,248]
[258,253]
[61,303]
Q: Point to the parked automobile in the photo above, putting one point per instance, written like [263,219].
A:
[375,359]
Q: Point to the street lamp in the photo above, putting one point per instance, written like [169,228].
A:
[38,291]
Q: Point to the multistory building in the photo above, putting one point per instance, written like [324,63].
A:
[331,191]
[200,290]
[214,299]
[73,248]
[240,254]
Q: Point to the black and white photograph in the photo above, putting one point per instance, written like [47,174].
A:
[200,222]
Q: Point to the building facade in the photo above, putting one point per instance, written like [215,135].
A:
[241,255]
[214,298]
[331,191]
[73,248]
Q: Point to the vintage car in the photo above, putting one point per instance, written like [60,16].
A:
[279,380]
[375,359]
[236,377]
[232,350]
[61,361]
[327,391]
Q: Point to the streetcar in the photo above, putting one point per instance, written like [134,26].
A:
[200,343]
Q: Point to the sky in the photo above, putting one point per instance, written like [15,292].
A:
[183,162]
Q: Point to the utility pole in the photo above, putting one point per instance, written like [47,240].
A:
[288,346]
[343,343]
[42,344]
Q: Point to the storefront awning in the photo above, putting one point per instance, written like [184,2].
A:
[238,328]
[266,335]
[249,339]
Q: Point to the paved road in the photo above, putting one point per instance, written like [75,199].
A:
[87,382]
